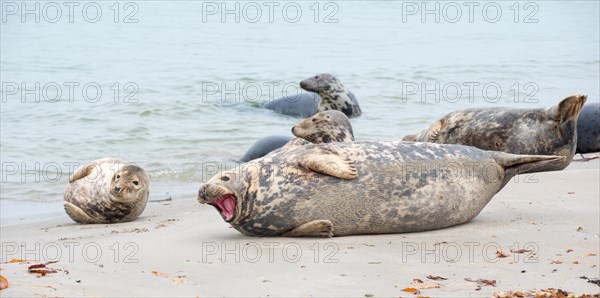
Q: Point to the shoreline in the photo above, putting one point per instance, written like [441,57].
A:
[179,248]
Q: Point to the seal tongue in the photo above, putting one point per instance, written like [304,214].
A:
[226,205]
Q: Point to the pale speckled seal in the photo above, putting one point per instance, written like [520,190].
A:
[332,95]
[351,188]
[549,131]
[107,191]
[588,129]
[324,127]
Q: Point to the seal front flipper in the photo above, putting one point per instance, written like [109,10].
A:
[82,172]
[328,162]
[434,131]
[315,228]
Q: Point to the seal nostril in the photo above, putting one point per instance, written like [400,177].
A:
[117,189]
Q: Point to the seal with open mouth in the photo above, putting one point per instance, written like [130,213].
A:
[350,188]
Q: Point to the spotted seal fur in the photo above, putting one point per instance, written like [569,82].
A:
[339,189]
[324,127]
[106,191]
[332,95]
[549,131]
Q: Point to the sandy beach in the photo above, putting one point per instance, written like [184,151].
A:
[541,231]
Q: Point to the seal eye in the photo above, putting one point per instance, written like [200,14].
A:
[225,178]
[135,183]
[118,176]
[314,119]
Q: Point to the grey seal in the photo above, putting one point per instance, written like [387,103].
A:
[351,188]
[324,127]
[263,146]
[332,95]
[107,190]
[546,131]
[588,129]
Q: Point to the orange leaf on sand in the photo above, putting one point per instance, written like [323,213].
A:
[411,290]
[590,255]
[19,261]
[500,254]
[176,279]
[3,283]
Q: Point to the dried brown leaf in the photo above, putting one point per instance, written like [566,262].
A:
[520,251]
[436,277]
[500,254]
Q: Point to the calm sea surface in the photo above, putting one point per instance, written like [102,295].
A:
[172,86]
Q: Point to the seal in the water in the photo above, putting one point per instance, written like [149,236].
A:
[588,129]
[107,191]
[304,104]
[332,96]
[324,127]
[351,188]
[549,131]
[263,146]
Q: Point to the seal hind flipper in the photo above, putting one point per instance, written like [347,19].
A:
[77,214]
[567,108]
[328,162]
[514,164]
[315,228]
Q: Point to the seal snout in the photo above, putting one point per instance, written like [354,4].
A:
[117,188]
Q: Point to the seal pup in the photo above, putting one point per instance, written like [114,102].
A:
[324,127]
[549,131]
[332,95]
[340,189]
[107,190]
[588,129]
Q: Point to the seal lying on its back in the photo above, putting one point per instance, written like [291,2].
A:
[324,127]
[550,131]
[341,189]
[107,191]
[333,96]
[588,129]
